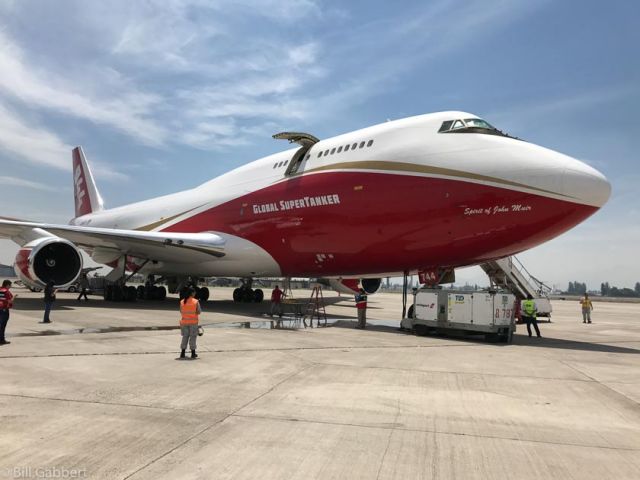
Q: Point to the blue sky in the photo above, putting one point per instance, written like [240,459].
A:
[166,94]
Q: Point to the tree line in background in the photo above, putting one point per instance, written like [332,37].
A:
[606,290]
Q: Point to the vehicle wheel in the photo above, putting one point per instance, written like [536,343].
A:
[72,289]
[108,293]
[421,330]
[258,295]
[162,293]
[410,312]
[237,295]
[140,292]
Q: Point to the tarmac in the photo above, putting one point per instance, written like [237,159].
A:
[99,394]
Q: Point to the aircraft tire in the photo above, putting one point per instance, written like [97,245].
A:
[237,295]
[163,293]
[247,295]
[410,312]
[107,294]
[132,294]
[258,295]
[203,294]
[117,293]
[140,292]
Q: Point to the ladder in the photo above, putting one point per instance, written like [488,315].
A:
[510,273]
[315,308]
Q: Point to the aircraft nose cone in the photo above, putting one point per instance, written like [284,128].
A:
[586,184]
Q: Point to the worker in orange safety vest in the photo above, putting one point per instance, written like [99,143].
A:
[189,311]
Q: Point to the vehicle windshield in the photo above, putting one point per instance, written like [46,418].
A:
[471,125]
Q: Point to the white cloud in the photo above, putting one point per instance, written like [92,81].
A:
[34,144]
[23,183]
[125,112]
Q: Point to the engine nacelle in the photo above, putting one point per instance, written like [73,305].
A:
[371,285]
[351,286]
[46,259]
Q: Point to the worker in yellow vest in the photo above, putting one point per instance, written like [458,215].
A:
[189,311]
[587,306]
[530,315]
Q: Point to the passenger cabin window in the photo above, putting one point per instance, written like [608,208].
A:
[354,146]
[333,150]
[319,154]
[346,147]
[275,165]
[339,149]
[285,163]
[369,143]
[361,144]
[471,125]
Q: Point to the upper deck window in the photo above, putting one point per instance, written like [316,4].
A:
[470,125]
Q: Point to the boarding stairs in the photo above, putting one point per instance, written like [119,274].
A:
[315,308]
[509,273]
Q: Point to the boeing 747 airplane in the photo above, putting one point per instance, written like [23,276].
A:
[427,193]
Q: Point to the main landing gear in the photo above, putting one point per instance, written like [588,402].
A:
[246,294]
[202,293]
[182,286]
[120,292]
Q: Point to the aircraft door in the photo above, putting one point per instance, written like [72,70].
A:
[306,141]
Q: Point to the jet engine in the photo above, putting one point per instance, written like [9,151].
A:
[371,285]
[48,259]
[351,285]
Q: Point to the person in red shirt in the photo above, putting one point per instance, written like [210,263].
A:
[276,299]
[6,302]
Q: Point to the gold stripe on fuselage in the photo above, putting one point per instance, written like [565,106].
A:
[424,169]
[162,221]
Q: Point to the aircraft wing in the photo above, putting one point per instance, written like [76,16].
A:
[159,246]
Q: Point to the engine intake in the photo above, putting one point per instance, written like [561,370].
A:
[371,285]
[352,285]
[48,259]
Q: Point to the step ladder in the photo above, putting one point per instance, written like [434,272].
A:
[315,308]
[509,273]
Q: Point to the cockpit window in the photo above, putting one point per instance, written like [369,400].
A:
[478,123]
[471,125]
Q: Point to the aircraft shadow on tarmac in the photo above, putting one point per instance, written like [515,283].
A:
[170,304]
[259,311]
[523,340]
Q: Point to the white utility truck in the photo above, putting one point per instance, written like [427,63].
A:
[491,313]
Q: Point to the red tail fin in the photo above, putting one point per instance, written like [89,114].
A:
[86,194]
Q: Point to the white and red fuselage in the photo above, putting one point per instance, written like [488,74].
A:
[396,197]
